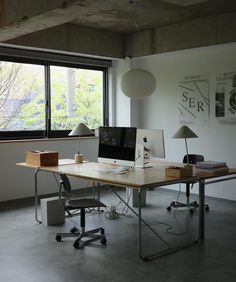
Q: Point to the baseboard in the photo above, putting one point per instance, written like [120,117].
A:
[29,201]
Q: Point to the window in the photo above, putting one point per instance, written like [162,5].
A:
[22,97]
[76,94]
[42,98]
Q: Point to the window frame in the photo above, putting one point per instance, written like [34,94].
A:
[56,59]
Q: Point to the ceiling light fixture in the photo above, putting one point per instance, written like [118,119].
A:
[138,83]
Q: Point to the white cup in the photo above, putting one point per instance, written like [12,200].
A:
[78,158]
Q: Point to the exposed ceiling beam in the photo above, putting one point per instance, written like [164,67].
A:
[44,14]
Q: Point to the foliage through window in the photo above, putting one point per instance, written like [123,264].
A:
[38,99]
[76,94]
[22,97]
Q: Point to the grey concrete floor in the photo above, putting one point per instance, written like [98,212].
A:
[29,252]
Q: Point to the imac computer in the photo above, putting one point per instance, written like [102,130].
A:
[149,145]
[117,145]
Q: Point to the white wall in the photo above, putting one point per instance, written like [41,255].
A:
[18,182]
[216,141]
[123,103]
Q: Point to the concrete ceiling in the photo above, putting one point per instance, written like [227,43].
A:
[19,18]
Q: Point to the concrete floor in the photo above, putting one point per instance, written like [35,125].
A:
[29,252]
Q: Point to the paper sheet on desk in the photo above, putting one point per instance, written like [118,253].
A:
[114,170]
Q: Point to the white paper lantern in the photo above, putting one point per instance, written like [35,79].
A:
[138,83]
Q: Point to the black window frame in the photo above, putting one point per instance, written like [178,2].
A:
[47,59]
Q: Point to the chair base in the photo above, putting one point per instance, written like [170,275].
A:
[90,234]
[191,206]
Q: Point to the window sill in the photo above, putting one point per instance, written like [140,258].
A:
[47,139]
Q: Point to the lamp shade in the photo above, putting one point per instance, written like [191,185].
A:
[138,83]
[81,130]
[185,132]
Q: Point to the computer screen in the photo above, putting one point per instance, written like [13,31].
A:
[117,145]
[152,141]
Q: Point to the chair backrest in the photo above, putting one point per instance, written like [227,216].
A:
[65,182]
[193,159]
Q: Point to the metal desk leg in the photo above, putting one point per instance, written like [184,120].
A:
[141,221]
[36,195]
[94,187]
[98,194]
[201,209]
[139,225]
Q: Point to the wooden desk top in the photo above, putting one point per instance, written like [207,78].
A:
[135,178]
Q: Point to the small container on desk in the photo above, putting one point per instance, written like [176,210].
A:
[78,158]
[42,158]
[175,171]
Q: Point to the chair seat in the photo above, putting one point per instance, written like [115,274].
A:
[84,203]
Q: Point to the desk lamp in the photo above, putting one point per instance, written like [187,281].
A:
[81,130]
[185,132]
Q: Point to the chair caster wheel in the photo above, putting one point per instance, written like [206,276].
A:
[58,238]
[73,230]
[168,208]
[191,211]
[102,231]
[76,245]
[207,208]
[103,241]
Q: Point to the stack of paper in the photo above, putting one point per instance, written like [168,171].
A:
[211,167]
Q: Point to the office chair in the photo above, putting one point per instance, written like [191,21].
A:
[193,159]
[81,204]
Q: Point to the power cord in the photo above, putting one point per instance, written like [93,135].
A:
[137,158]
[120,208]
[112,214]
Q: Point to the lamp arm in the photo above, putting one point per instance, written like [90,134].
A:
[79,145]
[185,139]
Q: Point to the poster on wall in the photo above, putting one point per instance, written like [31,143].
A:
[193,99]
[225,97]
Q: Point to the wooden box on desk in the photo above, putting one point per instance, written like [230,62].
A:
[42,158]
[175,171]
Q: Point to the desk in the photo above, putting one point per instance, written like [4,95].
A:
[137,178]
